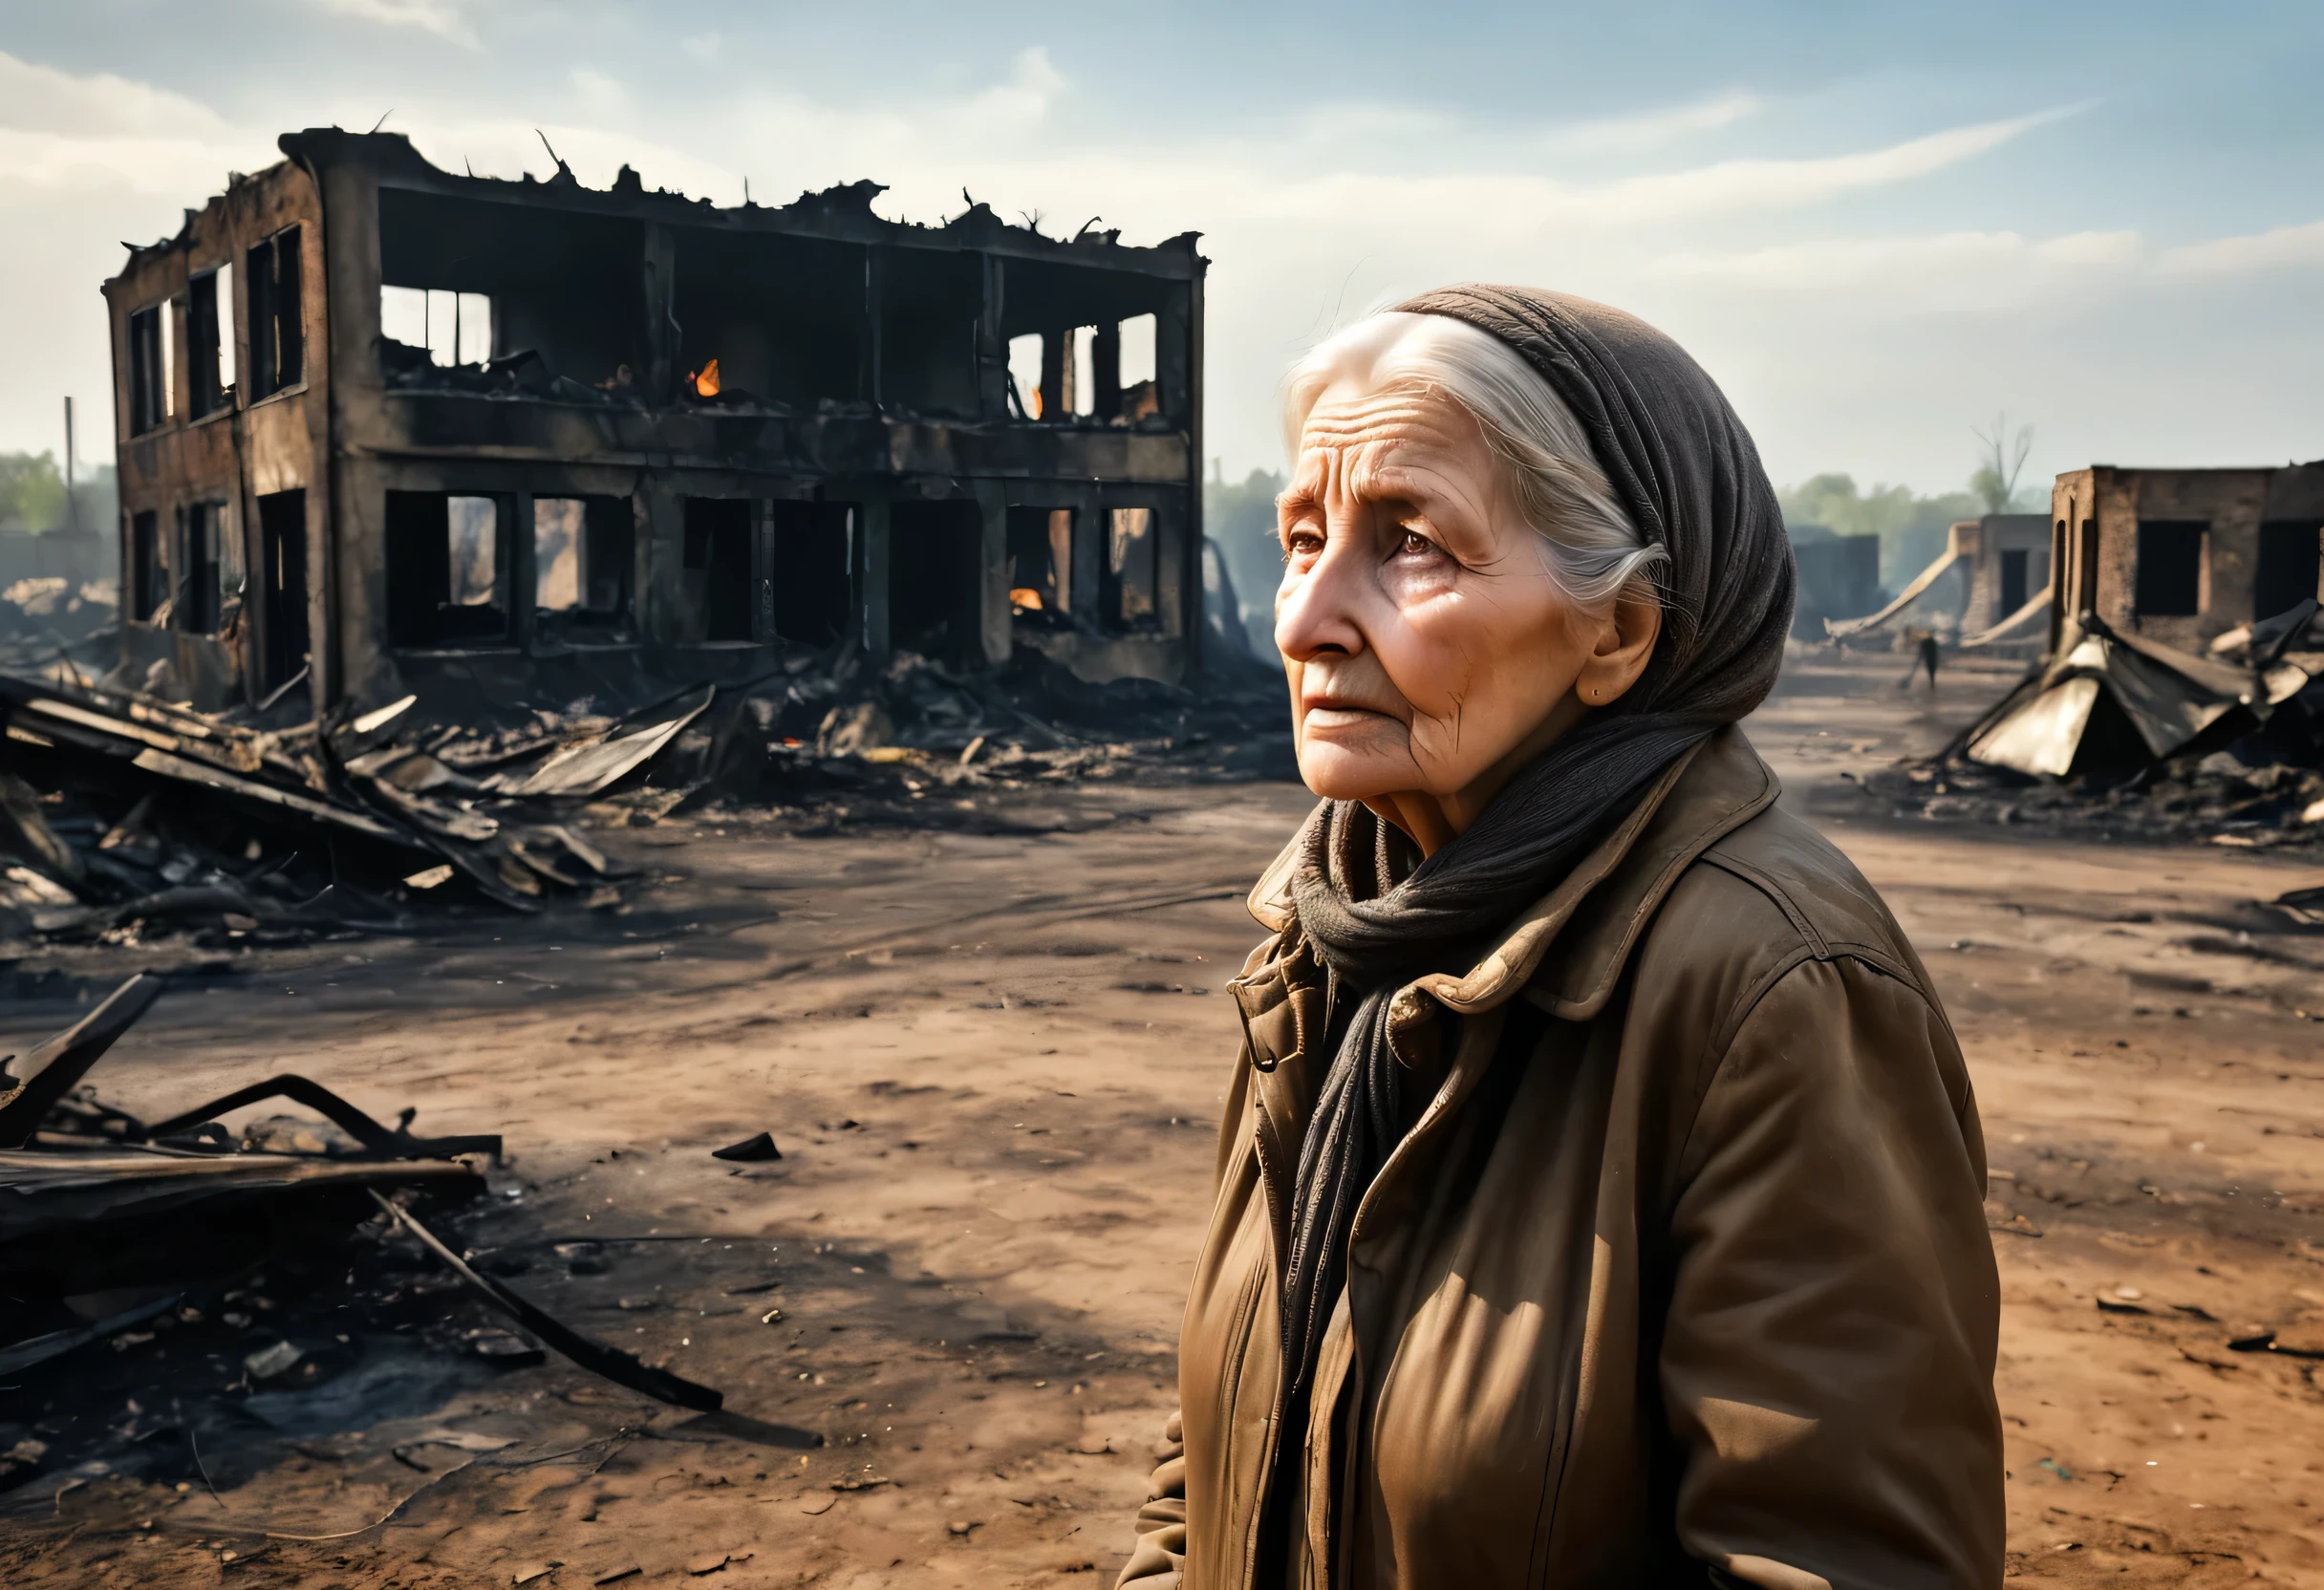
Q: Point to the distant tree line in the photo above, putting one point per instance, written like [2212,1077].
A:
[1912,528]
[32,495]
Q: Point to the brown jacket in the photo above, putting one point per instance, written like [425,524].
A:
[1700,1293]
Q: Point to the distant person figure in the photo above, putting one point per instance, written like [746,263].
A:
[1600,1193]
[1924,654]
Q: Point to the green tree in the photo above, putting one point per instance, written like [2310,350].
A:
[32,493]
[1910,527]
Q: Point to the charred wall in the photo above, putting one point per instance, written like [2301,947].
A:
[221,437]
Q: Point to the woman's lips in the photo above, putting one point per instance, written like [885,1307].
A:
[1340,714]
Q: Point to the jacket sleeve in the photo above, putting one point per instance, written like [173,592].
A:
[1160,1557]
[1827,1352]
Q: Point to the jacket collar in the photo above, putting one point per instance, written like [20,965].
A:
[1569,948]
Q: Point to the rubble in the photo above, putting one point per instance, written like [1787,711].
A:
[2121,735]
[110,1224]
[123,811]
[125,817]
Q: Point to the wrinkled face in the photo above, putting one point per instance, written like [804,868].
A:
[1425,642]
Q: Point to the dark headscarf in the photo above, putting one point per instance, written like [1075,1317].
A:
[1683,466]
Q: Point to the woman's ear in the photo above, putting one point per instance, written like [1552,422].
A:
[1626,642]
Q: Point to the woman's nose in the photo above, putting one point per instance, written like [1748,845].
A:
[1317,609]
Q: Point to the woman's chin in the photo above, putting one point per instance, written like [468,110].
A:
[1339,772]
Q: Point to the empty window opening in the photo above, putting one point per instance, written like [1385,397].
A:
[209,341]
[281,608]
[2290,553]
[1025,375]
[814,591]
[148,570]
[1083,401]
[584,556]
[2013,592]
[935,592]
[784,318]
[568,287]
[475,525]
[1115,348]
[1141,394]
[148,370]
[717,557]
[455,328]
[209,598]
[1053,399]
[1130,598]
[1041,564]
[2171,559]
[277,333]
[447,568]
[931,304]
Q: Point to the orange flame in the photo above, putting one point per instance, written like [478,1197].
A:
[1024,598]
[707,384]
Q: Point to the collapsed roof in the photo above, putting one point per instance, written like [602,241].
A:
[2111,701]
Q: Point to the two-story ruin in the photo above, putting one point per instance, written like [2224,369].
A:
[400,428]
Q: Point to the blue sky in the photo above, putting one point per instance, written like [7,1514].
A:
[1875,224]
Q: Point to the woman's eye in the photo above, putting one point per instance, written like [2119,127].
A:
[1300,543]
[1414,544]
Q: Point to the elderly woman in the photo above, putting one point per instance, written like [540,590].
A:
[1598,1191]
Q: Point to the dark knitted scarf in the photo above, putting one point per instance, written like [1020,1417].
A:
[1682,463]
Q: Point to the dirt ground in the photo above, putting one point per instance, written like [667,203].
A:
[944,1322]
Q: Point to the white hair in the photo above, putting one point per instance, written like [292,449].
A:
[1593,546]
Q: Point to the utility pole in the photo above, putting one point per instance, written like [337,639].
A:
[72,497]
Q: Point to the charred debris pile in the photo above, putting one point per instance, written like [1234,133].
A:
[125,817]
[275,1260]
[2117,735]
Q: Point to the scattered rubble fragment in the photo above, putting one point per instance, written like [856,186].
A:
[760,1147]
[2121,735]
[110,1224]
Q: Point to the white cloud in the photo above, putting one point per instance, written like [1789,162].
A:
[600,93]
[35,97]
[1024,99]
[440,17]
[1730,186]
[2284,246]
[1895,262]
[1635,135]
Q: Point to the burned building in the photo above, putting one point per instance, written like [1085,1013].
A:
[1839,577]
[1990,586]
[398,429]
[2183,556]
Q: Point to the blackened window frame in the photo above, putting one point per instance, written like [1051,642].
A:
[148,566]
[209,325]
[275,269]
[2168,581]
[148,399]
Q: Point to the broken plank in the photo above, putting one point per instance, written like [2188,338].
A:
[194,772]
